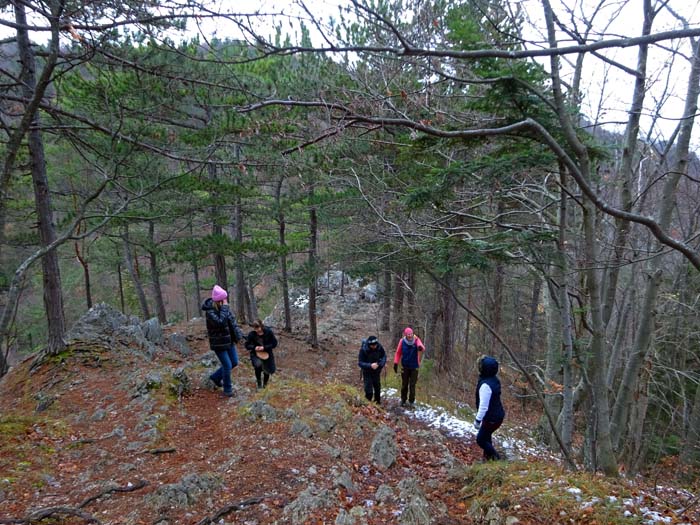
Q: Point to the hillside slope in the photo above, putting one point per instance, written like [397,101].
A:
[121,432]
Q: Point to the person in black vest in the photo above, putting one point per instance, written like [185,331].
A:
[260,341]
[371,360]
[490,413]
[223,334]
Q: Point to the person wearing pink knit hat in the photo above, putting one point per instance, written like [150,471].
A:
[409,352]
[224,333]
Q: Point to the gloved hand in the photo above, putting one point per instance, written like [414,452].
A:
[477,424]
[396,368]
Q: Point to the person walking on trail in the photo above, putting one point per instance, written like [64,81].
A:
[224,334]
[490,412]
[371,360]
[261,341]
[409,352]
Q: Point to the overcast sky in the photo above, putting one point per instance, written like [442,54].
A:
[606,89]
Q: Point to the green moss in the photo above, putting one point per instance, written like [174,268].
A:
[13,426]
[557,494]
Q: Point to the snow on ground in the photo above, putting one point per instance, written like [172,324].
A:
[515,448]
[453,426]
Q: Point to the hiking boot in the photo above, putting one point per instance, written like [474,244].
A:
[403,403]
[218,383]
[411,405]
[228,394]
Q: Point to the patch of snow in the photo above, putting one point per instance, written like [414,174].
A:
[301,301]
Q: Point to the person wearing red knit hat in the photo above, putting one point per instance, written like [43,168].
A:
[409,352]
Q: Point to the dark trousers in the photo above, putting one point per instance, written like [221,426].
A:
[409,378]
[264,368]
[483,438]
[373,385]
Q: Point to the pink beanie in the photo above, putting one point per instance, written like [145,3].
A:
[408,331]
[218,293]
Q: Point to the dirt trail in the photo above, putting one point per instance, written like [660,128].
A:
[100,434]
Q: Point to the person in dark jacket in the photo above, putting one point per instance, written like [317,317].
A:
[224,333]
[371,360]
[409,352]
[490,412]
[261,341]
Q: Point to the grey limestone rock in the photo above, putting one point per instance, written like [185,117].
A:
[261,410]
[301,428]
[309,500]
[178,343]
[184,493]
[384,451]
[152,330]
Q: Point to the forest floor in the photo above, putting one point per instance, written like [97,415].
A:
[99,435]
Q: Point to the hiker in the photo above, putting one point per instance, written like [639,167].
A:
[260,341]
[223,334]
[409,352]
[490,412]
[371,360]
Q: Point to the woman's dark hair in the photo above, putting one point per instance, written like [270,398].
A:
[258,324]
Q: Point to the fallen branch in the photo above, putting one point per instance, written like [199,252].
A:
[230,508]
[40,514]
[129,488]
[159,451]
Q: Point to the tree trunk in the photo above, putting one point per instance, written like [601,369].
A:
[386,303]
[121,289]
[497,307]
[33,90]
[197,287]
[131,267]
[600,426]
[252,303]
[51,273]
[155,273]
[284,277]
[628,167]
[655,265]
[449,310]
[86,274]
[532,324]
[690,453]
[397,311]
[411,296]
[313,227]
[218,233]
[240,272]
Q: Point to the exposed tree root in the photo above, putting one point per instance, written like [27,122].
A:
[129,488]
[230,508]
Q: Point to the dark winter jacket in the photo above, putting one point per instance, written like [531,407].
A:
[370,355]
[268,340]
[487,375]
[222,329]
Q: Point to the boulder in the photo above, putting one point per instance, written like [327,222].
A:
[384,450]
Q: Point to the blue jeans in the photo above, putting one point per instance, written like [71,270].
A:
[229,361]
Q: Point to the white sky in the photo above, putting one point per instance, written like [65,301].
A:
[607,89]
